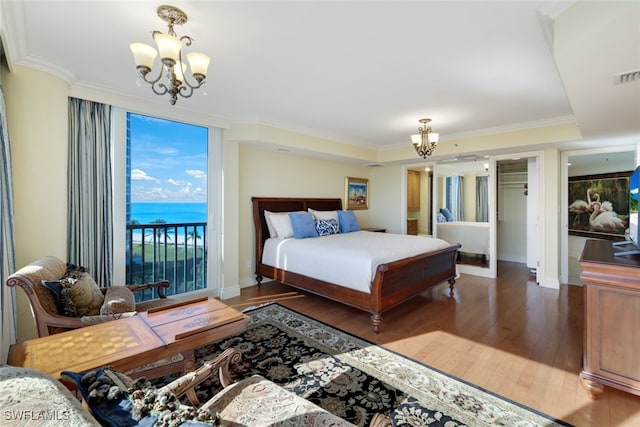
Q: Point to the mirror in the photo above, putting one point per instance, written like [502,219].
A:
[462,209]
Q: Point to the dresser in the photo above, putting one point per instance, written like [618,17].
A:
[611,319]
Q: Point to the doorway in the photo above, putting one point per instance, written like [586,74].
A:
[586,163]
[516,214]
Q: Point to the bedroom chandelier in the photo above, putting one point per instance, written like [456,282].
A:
[172,66]
[426,142]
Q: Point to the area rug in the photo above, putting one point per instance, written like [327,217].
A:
[354,378]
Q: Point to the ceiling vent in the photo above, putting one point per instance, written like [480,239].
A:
[626,77]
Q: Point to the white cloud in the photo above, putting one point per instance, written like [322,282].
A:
[198,174]
[178,183]
[140,175]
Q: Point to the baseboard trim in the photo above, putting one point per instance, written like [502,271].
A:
[229,292]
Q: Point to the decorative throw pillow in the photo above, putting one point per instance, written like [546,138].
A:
[325,227]
[118,299]
[446,214]
[81,295]
[348,221]
[303,225]
[56,287]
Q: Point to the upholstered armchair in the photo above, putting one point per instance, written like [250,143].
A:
[86,303]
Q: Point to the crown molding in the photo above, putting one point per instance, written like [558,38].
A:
[515,127]
[156,107]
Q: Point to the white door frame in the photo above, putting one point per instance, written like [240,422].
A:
[493,209]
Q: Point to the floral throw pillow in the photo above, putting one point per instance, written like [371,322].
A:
[80,294]
[325,227]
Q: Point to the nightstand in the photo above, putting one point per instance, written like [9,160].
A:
[412,226]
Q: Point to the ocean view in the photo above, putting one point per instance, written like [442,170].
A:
[172,213]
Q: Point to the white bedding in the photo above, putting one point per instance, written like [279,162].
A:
[473,236]
[349,259]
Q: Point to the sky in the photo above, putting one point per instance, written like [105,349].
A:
[168,161]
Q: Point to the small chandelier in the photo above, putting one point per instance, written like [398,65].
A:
[427,141]
[172,67]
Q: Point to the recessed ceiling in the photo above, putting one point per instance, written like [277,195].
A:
[356,72]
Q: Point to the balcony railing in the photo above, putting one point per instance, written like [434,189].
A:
[173,252]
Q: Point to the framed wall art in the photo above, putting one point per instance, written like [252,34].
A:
[356,193]
[599,205]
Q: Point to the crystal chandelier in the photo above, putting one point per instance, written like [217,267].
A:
[426,142]
[172,66]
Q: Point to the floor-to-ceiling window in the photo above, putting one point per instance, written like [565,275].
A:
[166,203]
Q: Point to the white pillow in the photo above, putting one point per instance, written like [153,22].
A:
[273,233]
[324,215]
[267,217]
[282,226]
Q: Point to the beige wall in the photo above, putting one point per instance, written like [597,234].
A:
[387,198]
[270,173]
[36,106]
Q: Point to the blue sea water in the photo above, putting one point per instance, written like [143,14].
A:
[172,213]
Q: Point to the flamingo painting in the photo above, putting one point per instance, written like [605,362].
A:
[580,207]
[598,206]
[605,219]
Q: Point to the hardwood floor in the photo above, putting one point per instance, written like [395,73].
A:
[507,335]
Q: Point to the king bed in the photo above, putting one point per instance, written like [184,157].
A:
[371,271]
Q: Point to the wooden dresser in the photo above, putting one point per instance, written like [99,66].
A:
[612,319]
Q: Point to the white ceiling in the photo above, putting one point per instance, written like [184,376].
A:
[357,72]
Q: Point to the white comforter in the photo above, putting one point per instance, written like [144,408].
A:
[473,236]
[349,259]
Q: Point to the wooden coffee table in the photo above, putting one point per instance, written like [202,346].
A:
[136,341]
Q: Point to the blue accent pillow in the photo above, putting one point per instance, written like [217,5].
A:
[325,227]
[446,214]
[348,221]
[303,225]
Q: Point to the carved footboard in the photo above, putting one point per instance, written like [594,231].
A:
[401,280]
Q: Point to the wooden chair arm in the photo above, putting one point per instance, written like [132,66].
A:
[65,322]
[187,382]
[160,286]
[380,420]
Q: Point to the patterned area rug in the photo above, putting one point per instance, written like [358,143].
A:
[354,378]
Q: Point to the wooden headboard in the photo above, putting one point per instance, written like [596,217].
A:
[284,204]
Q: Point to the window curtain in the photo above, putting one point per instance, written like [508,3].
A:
[454,197]
[7,242]
[90,196]
[482,198]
